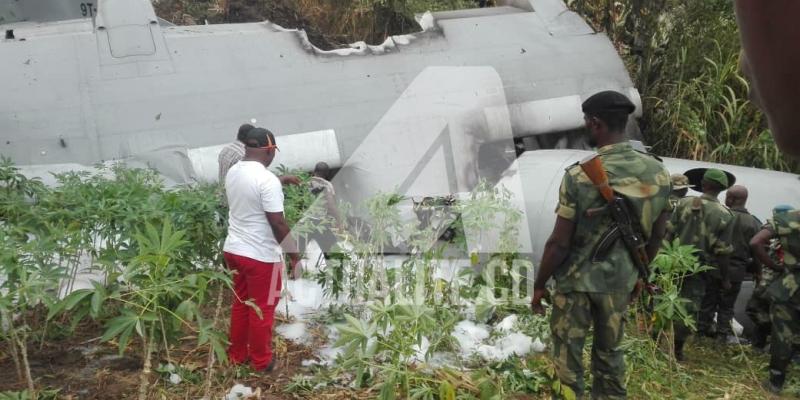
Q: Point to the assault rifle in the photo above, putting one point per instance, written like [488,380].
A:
[624,227]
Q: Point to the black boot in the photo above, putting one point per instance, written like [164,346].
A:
[760,337]
[775,382]
[679,350]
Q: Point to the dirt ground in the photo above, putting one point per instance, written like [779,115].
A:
[82,367]
[76,365]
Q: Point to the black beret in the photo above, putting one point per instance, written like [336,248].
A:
[608,100]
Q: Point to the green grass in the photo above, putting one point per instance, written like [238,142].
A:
[711,371]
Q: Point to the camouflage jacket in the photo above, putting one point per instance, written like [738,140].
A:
[776,253]
[706,224]
[745,226]
[644,182]
[786,227]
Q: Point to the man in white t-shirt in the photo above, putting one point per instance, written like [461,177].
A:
[256,232]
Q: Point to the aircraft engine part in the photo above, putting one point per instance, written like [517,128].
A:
[294,153]
[556,114]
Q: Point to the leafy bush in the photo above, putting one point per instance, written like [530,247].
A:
[154,253]
[673,264]
[157,296]
[29,273]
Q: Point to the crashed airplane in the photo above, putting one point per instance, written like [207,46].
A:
[490,93]
[425,114]
[111,81]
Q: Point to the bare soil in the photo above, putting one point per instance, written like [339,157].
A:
[82,367]
[78,365]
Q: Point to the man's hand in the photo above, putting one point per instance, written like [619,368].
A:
[536,301]
[297,267]
[726,284]
[289,180]
[637,290]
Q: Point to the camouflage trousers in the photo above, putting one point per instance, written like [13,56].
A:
[693,289]
[758,307]
[758,312]
[720,301]
[573,314]
[785,329]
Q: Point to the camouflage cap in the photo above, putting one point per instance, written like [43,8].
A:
[680,181]
[696,176]
[716,175]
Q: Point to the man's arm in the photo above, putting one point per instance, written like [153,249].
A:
[759,244]
[281,230]
[555,252]
[754,265]
[289,180]
[771,43]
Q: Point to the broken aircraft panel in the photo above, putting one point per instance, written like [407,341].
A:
[116,84]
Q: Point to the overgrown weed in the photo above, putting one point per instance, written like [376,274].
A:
[684,59]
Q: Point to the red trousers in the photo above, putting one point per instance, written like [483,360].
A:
[251,334]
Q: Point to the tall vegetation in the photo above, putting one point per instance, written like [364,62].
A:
[116,247]
[684,57]
[30,270]
[152,257]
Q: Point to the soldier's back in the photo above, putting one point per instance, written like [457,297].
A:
[645,183]
[702,221]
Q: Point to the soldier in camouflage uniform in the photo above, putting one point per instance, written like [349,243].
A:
[591,291]
[680,186]
[785,309]
[758,305]
[744,227]
[706,224]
